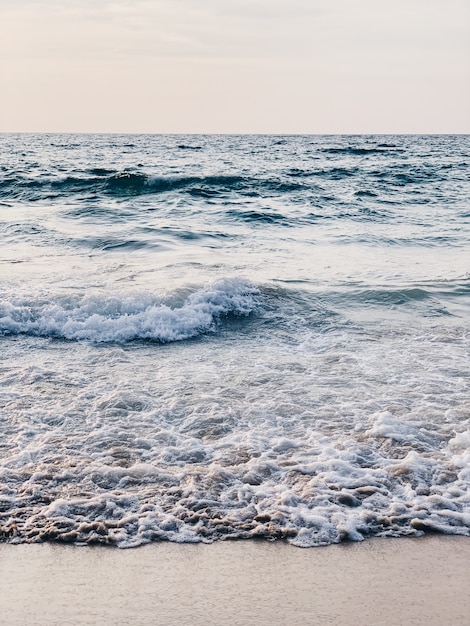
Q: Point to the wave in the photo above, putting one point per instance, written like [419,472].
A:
[384,479]
[350,150]
[183,146]
[446,298]
[262,217]
[127,183]
[104,181]
[130,183]
[101,181]
[100,318]
[391,297]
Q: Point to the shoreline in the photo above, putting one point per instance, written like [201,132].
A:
[379,581]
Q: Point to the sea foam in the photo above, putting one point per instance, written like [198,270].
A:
[104,318]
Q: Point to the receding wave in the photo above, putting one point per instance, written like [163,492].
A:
[382,480]
[100,318]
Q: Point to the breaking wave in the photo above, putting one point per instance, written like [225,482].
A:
[99,318]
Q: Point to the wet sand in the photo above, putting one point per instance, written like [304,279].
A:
[380,581]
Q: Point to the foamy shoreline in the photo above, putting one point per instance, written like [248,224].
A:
[380,581]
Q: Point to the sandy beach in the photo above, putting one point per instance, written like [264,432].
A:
[380,581]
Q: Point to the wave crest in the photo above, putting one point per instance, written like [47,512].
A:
[99,318]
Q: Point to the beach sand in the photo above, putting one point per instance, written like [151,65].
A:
[380,581]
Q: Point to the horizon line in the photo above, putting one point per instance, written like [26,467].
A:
[216,134]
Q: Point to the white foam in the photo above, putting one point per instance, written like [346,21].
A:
[264,435]
[389,426]
[103,318]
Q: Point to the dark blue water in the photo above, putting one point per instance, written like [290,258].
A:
[208,337]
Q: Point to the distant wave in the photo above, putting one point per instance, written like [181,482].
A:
[183,146]
[104,318]
[102,181]
[356,151]
[105,182]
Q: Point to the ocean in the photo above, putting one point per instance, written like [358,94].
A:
[233,337]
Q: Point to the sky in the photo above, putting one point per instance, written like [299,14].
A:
[235,66]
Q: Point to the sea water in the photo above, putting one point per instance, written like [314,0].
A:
[210,337]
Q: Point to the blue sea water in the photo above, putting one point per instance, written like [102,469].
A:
[208,337]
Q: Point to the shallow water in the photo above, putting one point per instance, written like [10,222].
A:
[205,337]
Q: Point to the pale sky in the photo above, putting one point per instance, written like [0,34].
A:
[235,66]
